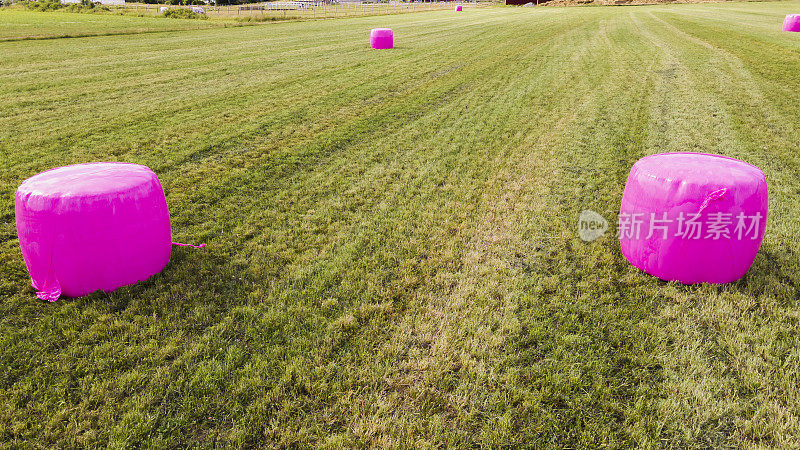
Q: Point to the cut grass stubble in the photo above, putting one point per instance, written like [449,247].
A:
[393,258]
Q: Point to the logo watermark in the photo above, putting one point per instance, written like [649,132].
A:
[635,226]
[591,225]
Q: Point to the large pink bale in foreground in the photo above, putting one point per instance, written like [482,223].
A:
[381,38]
[458,7]
[791,22]
[90,227]
[692,217]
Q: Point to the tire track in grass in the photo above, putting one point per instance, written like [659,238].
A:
[443,361]
[719,341]
[467,372]
[585,353]
[698,126]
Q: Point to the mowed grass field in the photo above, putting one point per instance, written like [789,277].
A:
[392,255]
[16,24]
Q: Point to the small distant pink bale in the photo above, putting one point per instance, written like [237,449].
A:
[381,38]
[458,7]
[89,227]
[791,22]
[693,217]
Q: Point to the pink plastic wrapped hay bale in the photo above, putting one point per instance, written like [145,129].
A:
[381,38]
[791,22]
[458,7]
[90,227]
[693,217]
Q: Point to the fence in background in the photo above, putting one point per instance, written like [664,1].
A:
[298,9]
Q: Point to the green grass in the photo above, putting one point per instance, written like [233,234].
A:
[22,24]
[393,257]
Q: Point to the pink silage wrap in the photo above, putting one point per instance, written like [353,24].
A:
[791,22]
[725,195]
[458,8]
[381,38]
[90,227]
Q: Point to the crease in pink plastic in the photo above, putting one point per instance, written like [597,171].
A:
[716,195]
[710,211]
[89,227]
